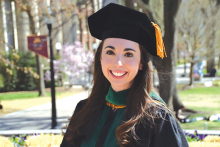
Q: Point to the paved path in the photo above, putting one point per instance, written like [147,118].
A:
[39,117]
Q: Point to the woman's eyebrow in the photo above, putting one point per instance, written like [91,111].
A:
[129,49]
[126,49]
[110,47]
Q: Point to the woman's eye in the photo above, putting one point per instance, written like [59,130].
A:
[129,55]
[110,52]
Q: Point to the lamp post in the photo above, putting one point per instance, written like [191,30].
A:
[48,20]
[58,47]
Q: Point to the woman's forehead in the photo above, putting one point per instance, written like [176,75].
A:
[120,42]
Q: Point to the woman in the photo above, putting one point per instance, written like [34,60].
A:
[122,109]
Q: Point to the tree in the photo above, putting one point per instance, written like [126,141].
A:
[9,24]
[166,67]
[21,29]
[69,21]
[129,4]
[168,87]
[2,45]
[27,6]
[197,26]
[211,12]
[106,2]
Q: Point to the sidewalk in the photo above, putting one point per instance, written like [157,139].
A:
[39,117]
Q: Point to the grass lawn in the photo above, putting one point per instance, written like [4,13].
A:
[22,95]
[205,100]
[15,101]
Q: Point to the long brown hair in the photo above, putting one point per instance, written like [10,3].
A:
[83,123]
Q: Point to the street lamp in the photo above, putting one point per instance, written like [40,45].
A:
[58,47]
[49,17]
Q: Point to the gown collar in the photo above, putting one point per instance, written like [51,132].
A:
[116,99]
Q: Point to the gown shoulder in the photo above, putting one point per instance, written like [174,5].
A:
[79,106]
[167,131]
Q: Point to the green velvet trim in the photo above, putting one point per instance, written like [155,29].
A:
[117,98]
[111,140]
[91,142]
[154,95]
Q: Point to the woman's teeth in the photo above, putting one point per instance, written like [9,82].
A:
[118,74]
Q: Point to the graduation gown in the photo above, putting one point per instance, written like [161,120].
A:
[167,132]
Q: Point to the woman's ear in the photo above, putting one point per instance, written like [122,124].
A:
[141,66]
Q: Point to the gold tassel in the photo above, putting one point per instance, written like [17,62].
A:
[159,41]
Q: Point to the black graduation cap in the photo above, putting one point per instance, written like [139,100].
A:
[117,21]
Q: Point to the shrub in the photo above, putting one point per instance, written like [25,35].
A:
[18,71]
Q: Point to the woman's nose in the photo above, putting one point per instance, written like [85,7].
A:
[119,62]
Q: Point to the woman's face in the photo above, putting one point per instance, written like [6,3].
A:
[120,61]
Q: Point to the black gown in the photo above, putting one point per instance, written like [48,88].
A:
[167,132]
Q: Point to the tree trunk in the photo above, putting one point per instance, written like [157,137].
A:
[191,74]
[70,27]
[166,66]
[129,4]
[210,64]
[185,64]
[146,1]
[32,26]
[143,4]
[178,57]
[41,86]
[89,37]
[106,2]
[21,31]
[2,37]
[9,25]
[219,61]
[177,103]
[81,28]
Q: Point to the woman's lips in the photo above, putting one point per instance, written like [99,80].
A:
[118,74]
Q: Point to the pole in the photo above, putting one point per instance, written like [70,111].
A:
[54,115]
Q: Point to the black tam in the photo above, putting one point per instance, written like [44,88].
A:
[116,21]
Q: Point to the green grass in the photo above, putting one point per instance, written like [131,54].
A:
[202,90]
[218,73]
[204,71]
[200,125]
[21,95]
[1,81]
[204,100]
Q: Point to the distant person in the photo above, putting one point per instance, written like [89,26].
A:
[213,72]
[123,109]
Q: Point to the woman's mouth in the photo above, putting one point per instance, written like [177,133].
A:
[118,75]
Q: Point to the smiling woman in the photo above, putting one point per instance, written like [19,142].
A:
[123,109]
[120,62]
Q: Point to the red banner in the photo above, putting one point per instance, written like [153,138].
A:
[38,44]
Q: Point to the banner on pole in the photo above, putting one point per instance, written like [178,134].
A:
[38,44]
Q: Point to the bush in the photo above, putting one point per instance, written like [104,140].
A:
[18,74]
